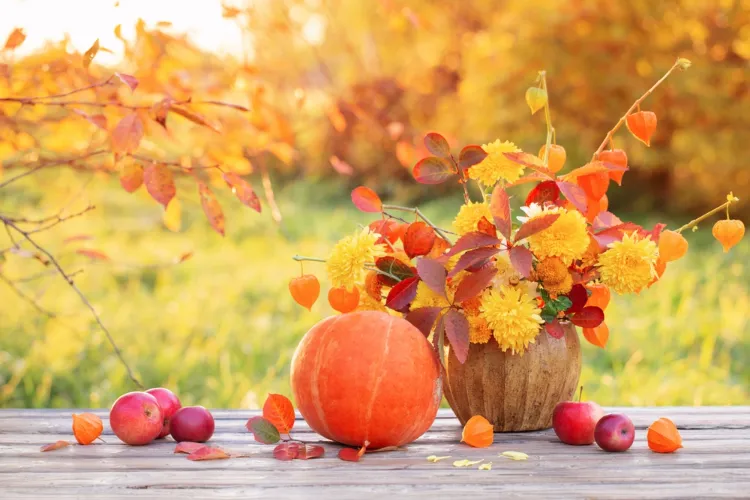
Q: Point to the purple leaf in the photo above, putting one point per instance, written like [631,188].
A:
[470,156]
[589,317]
[424,318]
[521,258]
[605,220]
[473,284]
[432,170]
[535,225]
[575,194]
[437,145]
[286,451]
[433,274]
[500,209]
[471,258]
[470,241]
[457,331]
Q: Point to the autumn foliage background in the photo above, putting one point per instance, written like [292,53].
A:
[318,114]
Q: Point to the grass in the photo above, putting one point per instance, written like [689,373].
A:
[220,328]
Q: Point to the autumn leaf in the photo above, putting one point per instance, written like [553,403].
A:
[470,156]
[546,191]
[471,258]
[435,459]
[194,117]
[514,455]
[159,183]
[536,98]
[554,329]
[402,294]
[263,430]
[211,208]
[131,177]
[521,258]
[437,145]
[394,267]
[286,451]
[578,296]
[466,463]
[16,38]
[172,216]
[92,254]
[351,454]
[432,170]
[280,412]
[340,165]
[208,453]
[188,447]
[78,237]
[419,239]
[500,209]
[310,451]
[470,241]
[366,200]
[127,134]
[535,225]
[130,81]
[531,161]
[55,446]
[433,273]
[589,317]
[575,194]
[242,190]
[89,55]
[457,331]
[98,120]
[423,318]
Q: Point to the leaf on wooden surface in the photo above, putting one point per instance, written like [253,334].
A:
[310,451]
[500,209]
[131,177]
[433,273]
[575,194]
[514,455]
[466,463]
[521,258]
[437,145]
[402,294]
[127,134]
[211,208]
[286,451]
[470,241]
[89,55]
[208,453]
[535,225]
[188,447]
[366,200]
[589,317]
[457,331]
[352,454]
[473,284]
[55,446]
[263,430]
[92,254]
[470,156]
[130,81]
[471,258]
[418,239]
[159,183]
[242,190]
[278,410]
[424,318]
[432,170]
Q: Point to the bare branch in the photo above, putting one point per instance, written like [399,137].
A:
[25,297]
[53,163]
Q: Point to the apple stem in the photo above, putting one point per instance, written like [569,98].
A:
[580,394]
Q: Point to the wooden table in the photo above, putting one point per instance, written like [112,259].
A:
[715,463]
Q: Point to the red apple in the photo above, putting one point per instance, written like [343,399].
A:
[614,432]
[168,404]
[192,423]
[135,418]
[574,422]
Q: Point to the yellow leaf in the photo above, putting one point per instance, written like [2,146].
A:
[487,466]
[434,459]
[172,216]
[536,98]
[514,455]
[466,463]
[89,55]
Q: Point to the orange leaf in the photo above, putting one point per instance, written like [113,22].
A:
[343,300]
[131,177]
[78,237]
[642,125]
[55,446]
[594,185]
[87,427]
[532,162]
[478,432]
[305,290]
[127,134]
[130,81]
[89,55]
[340,165]
[243,191]
[188,447]
[159,183]
[366,199]
[597,336]
[98,120]
[279,411]
[663,436]
[194,117]
[16,38]
[672,246]
[419,239]
[92,254]
[728,232]
[208,453]
[211,208]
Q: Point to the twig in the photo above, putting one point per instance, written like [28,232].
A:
[695,222]
[67,161]
[56,218]
[300,258]
[268,189]
[25,297]
[75,91]
[174,163]
[547,119]
[419,214]
[680,63]
[68,279]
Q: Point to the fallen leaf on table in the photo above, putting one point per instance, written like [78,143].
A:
[435,459]
[55,446]
[466,463]
[208,453]
[188,447]
[353,455]
[514,455]
[487,466]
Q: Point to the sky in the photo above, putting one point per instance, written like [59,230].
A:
[87,20]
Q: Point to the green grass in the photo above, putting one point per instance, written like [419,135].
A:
[220,328]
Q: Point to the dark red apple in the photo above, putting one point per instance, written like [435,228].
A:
[135,418]
[168,404]
[192,423]
[614,432]
[574,422]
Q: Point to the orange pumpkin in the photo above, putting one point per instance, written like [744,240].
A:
[366,376]
[87,427]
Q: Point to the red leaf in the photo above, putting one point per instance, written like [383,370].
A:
[352,455]
[366,200]
[341,166]
[78,237]
[386,228]
[263,430]
[535,225]
[595,185]
[521,258]
[578,296]
[402,294]
[286,451]
[531,161]
[437,145]
[310,451]
[471,258]
[433,274]
[55,446]
[473,284]
[543,192]
[280,412]
[128,80]
[208,453]
[424,318]
[395,267]
[419,239]
[92,254]
[470,241]
[188,447]
[500,209]
[532,177]
[575,195]
[605,220]
[555,329]
[655,233]
[243,190]
[471,155]
[127,134]
[211,208]
[432,170]
[457,330]
[131,177]
[486,227]
[159,183]
[589,317]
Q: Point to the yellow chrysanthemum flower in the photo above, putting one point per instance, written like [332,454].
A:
[469,216]
[348,256]
[554,276]
[496,166]
[513,317]
[367,303]
[629,265]
[426,297]
[479,330]
[567,238]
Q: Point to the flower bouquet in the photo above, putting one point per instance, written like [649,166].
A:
[500,296]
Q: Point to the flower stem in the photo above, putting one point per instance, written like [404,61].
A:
[547,118]
[419,214]
[463,179]
[703,217]
[680,63]
[300,258]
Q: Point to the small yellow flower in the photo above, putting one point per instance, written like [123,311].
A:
[567,238]
[427,297]
[496,166]
[554,276]
[469,216]
[348,257]
[479,330]
[367,303]
[629,265]
[513,317]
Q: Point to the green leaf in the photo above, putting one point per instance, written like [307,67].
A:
[263,430]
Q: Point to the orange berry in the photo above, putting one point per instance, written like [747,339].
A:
[672,246]
[305,290]
[729,232]
[343,300]
[556,158]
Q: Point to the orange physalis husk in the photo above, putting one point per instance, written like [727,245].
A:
[87,427]
[343,300]
[556,158]
[660,267]
[305,290]
[672,246]
[594,185]
[595,207]
[478,432]
[597,336]
[599,297]
[373,286]
[729,232]
[642,125]
[617,157]
[663,436]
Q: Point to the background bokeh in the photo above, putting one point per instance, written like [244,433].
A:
[340,94]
